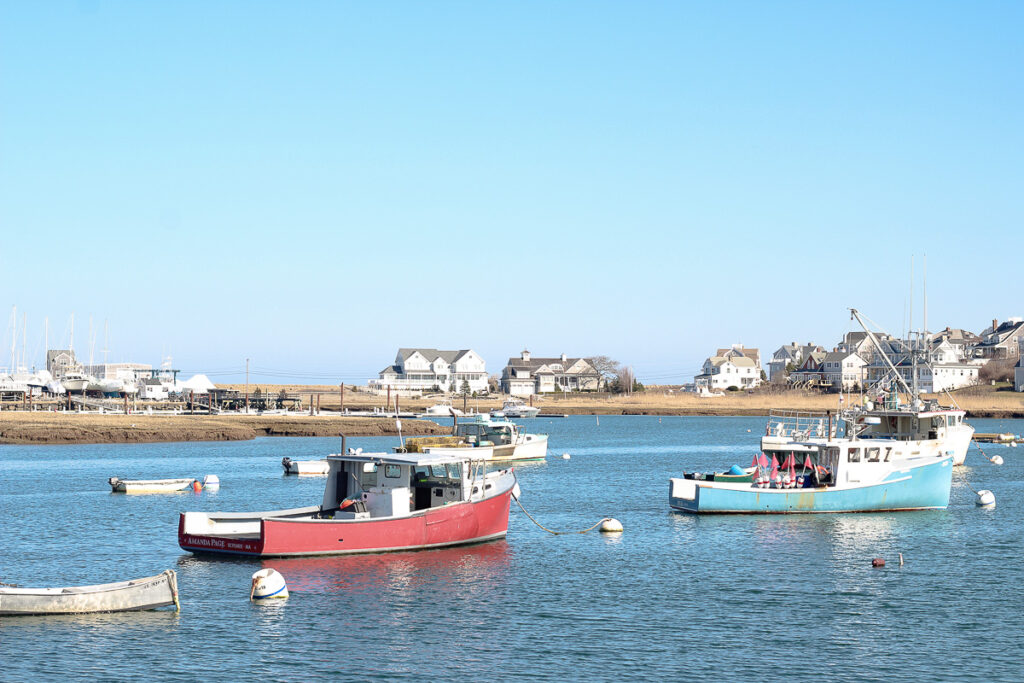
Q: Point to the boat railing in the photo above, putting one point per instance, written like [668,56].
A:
[799,425]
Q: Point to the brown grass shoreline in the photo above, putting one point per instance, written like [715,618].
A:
[59,428]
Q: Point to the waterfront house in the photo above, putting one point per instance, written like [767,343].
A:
[947,366]
[527,375]
[1001,340]
[842,371]
[60,361]
[788,355]
[809,373]
[416,370]
[721,372]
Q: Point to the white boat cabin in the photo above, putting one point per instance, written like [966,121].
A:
[372,485]
[488,432]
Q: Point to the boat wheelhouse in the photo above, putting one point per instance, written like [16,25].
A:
[514,408]
[372,502]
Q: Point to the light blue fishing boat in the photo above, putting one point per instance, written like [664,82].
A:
[896,456]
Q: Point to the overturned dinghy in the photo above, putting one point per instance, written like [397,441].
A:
[118,485]
[124,596]
[304,467]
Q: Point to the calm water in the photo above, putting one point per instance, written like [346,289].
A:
[714,598]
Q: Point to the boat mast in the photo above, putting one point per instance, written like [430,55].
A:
[878,347]
[24,340]
[14,336]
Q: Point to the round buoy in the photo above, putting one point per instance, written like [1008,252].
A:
[878,562]
[196,486]
[997,459]
[211,482]
[268,583]
[1013,444]
[986,499]
[611,526]
[565,456]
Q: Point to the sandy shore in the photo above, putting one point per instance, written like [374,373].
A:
[58,428]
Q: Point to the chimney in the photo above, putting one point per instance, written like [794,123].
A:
[995,324]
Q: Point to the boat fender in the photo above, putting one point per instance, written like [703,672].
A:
[878,562]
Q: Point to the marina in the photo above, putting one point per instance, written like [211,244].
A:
[843,605]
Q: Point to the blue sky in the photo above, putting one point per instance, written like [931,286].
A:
[314,184]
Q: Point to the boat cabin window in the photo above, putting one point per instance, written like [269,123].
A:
[454,472]
[871,454]
[392,471]
[951,420]
[368,476]
[853,455]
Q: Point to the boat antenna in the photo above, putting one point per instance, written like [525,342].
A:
[878,346]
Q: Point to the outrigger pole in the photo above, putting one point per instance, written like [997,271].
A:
[885,356]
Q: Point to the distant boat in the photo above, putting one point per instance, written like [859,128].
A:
[124,596]
[75,381]
[517,409]
[484,438]
[443,409]
[118,485]
[304,467]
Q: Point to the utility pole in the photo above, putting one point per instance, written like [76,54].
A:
[246,386]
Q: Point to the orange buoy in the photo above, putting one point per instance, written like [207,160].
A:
[878,562]
[196,486]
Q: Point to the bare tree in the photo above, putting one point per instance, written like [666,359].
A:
[607,369]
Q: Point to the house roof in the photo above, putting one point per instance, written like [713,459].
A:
[837,356]
[432,354]
[535,365]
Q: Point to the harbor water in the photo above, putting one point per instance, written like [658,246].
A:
[756,598]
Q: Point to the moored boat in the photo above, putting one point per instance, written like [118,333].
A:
[118,485]
[372,502]
[305,467]
[513,408]
[486,438]
[123,596]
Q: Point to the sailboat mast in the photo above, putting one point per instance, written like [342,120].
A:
[14,336]
[24,339]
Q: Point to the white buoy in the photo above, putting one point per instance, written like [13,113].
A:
[268,583]
[211,482]
[565,456]
[611,526]
[996,459]
[1013,444]
[986,499]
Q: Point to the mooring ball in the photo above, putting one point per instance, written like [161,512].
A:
[565,456]
[612,526]
[997,460]
[878,562]
[268,583]
[986,499]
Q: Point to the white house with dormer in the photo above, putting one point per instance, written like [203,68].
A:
[842,370]
[720,373]
[417,370]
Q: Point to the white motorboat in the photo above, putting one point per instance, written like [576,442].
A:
[305,467]
[118,485]
[443,409]
[517,409]
[75,381]
[484,438]
[124,596]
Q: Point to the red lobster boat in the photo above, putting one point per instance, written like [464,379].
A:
[373,502]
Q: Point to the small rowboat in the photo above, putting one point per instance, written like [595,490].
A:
[118,485]
[304,467]
[124,596]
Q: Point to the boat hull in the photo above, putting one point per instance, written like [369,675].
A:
[305,467]
[125,596]
[921,487]
[454,524]
[532,447]
[136,486]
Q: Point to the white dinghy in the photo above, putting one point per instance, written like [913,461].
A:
[118,485]
[305,467]
[124,596]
